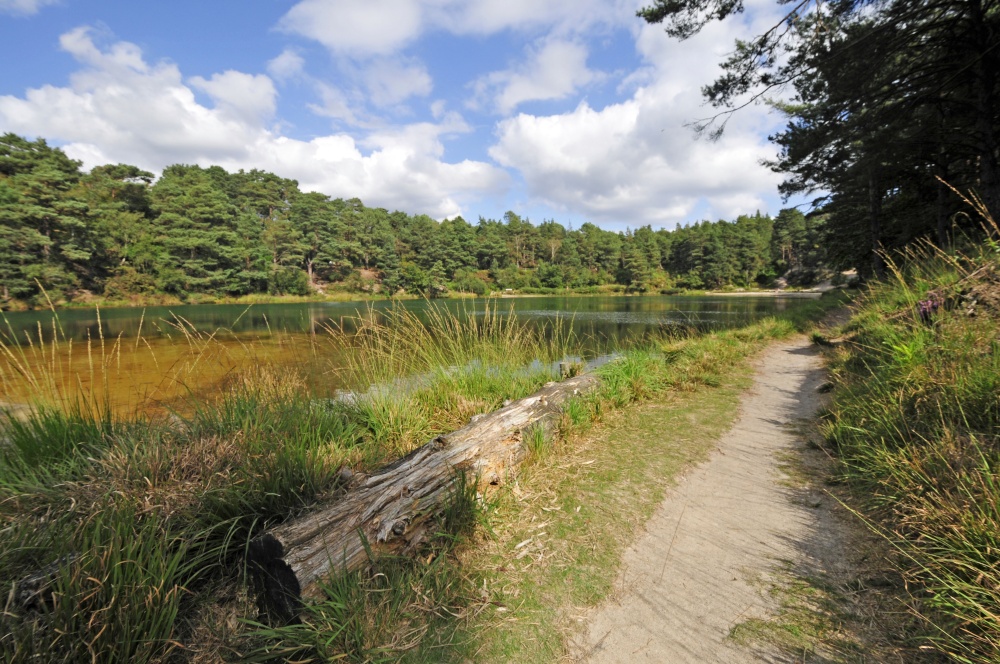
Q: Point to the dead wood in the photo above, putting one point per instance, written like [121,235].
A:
[388,510]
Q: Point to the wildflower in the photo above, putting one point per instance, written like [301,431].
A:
[927,308]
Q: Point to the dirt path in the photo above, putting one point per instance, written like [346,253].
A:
[704,563]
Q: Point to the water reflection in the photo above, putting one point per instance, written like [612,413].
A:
[608,318]
[159,356]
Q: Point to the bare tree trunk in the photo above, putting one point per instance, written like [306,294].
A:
[941,210]
[391,510]
[875,219]
[986,64]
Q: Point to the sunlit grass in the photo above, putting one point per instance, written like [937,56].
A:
[145,514]
[143,373]
[145,517]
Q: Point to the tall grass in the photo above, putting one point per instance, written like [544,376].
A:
[142,519]
[397,342]
[143,373]
[916,421]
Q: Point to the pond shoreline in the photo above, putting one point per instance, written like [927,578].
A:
[168,301]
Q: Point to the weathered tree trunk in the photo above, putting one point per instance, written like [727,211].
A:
[875,222]
[389,509]
[941,210]
[985,80]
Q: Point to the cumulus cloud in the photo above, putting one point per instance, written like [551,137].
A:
[553,70]
[635,161]
[558,17]
[392,80]
[359,27]
[632,160]
[335,104]
[250,98]
[362,28]
[24,7]
[120,108]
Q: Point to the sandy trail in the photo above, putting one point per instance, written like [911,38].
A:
[691,577]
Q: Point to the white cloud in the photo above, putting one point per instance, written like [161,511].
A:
[632,160]
[24,7]
[359,27]
[392,80]
[635,161]
[286,66]
[558,17]
[119,108]
[334,104]
[554,70]
[250,98]
[362,28]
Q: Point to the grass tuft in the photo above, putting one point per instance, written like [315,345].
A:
[916,422]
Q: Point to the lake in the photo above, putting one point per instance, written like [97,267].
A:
[158,355]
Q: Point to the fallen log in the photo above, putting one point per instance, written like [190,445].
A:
[387,511]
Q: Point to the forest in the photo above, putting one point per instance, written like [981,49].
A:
[117,233]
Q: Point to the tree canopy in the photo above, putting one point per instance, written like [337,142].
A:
[116,232]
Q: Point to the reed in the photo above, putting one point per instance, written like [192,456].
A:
[145,515]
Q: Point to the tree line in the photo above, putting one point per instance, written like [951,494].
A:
[115,232]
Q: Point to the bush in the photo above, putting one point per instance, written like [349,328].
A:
[916,421]
[467,281]
[288,281]
[127,281]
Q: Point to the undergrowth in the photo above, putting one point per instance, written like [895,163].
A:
[135,523]
[916,422]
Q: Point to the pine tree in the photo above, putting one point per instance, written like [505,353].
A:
[44,238]
[196,227]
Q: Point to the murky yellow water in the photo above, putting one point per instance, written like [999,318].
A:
[159,373]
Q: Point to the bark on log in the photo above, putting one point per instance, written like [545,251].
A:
[389,507]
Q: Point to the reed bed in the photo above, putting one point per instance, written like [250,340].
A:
[142,516]
[144,373]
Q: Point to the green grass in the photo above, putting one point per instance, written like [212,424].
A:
[916,423]
[146,519]
[398,607]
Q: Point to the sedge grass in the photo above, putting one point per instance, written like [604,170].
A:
[916,423]
[145,517]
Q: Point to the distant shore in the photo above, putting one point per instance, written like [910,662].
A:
[172,301]
[775,293]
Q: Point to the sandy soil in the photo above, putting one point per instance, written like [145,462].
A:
[733,521]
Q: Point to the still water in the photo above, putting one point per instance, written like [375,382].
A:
[608,318]
[158,355]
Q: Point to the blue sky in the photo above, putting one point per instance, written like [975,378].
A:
[572,110]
